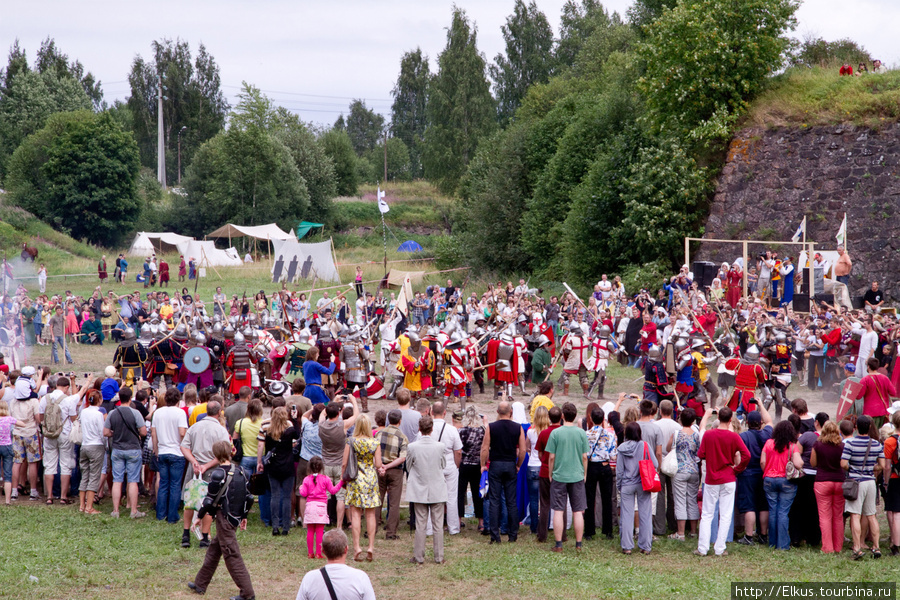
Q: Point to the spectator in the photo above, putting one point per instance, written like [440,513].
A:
[568,450]
[826,458]
[59,453]
[846,69]
[878,68]
[602,443]
[876,390]
[751,499]
[685,442]
[664,517]
[555,415]
[93,452]
[780,491]
[238,410]
[348,583]
[362,492]
[633,497]
[504,449]
[863,459]
[197,448]
[471,434]
[277,446]
[427,488]
[333,434]
[843,264]
[125,426]
[873,299]
[447,434]
[719,447]
[804,523]
[167,430]
[394,445]
[892,499]
[7,423]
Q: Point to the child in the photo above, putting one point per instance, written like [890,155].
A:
[229,501]
[315,489]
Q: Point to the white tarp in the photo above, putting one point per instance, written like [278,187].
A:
[261,232]
[294,261]
[205,253]
[146,243]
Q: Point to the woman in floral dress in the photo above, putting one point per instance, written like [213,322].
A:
[362,492]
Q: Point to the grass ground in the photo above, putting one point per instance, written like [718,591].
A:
[819,96]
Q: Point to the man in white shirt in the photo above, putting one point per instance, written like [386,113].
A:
[867,344]
[167,432]
[348,583]
[447,434]
[388,331]
[59,452]
[522,288]
[605,288]
[322,301]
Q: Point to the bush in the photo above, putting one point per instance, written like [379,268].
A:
[449,252]
[648,276]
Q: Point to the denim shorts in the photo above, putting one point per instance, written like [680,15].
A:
[126,461]
[6,455]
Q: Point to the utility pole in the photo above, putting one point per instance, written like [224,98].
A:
[160,136]
[180,131]
[385,156]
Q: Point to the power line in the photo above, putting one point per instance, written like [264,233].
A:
[238,87]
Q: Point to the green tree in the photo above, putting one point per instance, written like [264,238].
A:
[364,126]
[460,108]
[398,163]
[817,52]
[528,59]
[337,146]
[194,100]
[645,12]
[408,117]
[80,174]
[576,24]
[51,60]
[706,59]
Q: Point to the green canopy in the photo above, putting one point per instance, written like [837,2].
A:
[304,226]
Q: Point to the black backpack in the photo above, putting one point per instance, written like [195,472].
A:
[236,501]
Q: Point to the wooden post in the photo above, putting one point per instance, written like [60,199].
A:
[812,275]
[687,252]
[746,269]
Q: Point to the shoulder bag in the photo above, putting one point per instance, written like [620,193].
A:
[328,584]
[790,471]
[239,444]
[850,487]
[669,464]
[351,471]
[649,477]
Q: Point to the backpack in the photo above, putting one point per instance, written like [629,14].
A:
[53,418]
[234,497]
[895,465]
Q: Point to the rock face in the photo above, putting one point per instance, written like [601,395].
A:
[773,178]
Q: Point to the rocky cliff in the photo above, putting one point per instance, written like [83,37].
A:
[773,177]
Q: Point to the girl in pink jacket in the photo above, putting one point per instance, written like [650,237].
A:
[315,489]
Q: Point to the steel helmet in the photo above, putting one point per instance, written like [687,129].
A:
[128,334]
[217,328]
[781,337]
[239,339]
[654,354]
[413,336]
[605,331]
[751,356]
[200,339]
[542,340]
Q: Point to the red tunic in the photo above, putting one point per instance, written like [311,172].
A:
[735,288]
[511,376]
[746,378]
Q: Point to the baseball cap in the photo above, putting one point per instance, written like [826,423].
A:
[754,418]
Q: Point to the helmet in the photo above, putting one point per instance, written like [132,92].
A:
[575,329]
[200,339]
[228,332]
[781,338]
[604,332]
[542,340]
[479,331]
[252,317]
[254,337]
[413,336]
[128,334]
[154,316]
[239,339]
[303,337]
[508,335]
[146,332]
[181,333]
[162,328]
[654,354]
[325,333]
[698,343]
[522,319]
[456,338]
[751,356]
[353,332]
[217,328]
[681,345]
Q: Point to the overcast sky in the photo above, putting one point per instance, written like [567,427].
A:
[314,57]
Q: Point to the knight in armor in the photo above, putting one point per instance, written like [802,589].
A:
[780,374]
[165,353]
[190,373]
[393,376]
[298,352]
[602,347]
[459,365]
[328,347]
[748,375]
[354,368]
[417,362]
[575,352]
[218,348]
[523,353]
[431,339]
[503,362]
[130,358]
[684,370]
[238,363]
[704,386]
[656,379]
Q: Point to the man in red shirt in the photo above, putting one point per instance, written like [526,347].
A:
[707,320]
[544,474]
[718,448]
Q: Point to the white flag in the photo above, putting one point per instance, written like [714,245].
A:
[841,236]
[405,296]
[800,231]
[382,205]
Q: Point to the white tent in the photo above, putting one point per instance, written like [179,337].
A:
[260,232]
[294,261]
[206,254]
[146,243]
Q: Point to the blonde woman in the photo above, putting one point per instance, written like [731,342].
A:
[362,492]
[540,423]
[279,440]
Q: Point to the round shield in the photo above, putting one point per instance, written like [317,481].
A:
[196,360]
[5,337]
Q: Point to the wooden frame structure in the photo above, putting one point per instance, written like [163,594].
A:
[810,248]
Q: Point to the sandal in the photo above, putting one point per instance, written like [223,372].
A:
[50,501]
[357,556]
[65,501]
[857,555]
[626,552]
[370,555]
[876,553]
[92,512]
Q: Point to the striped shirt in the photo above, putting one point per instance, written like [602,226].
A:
[862,469]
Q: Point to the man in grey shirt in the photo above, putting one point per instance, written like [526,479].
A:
[125,426]
[409,423]
[238,410]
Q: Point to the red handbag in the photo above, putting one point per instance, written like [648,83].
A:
[649,477]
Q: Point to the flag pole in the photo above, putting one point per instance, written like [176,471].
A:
[845,233]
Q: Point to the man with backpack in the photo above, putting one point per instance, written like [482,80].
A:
[59,409]
[125,426]
[229,501]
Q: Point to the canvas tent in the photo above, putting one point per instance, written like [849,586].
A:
[205,253]
[396,277]
[294,261]
[259,232]
[146,243]
[305,227]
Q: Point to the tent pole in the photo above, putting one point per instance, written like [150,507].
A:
[334,258]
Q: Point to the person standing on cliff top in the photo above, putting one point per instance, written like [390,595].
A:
[842,267]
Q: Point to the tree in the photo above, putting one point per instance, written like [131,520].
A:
[51,60]
[194,100]
[80,173]
[528,59]
[337,146]
[408,117]
[460,108]
[364,126]
[645,12]
[706,59]
[817,52]
[398,165]
[576,24]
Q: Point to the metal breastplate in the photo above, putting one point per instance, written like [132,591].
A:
[351,356]
[505,353]
[241,358]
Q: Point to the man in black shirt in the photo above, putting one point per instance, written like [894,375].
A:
[873,299]
[449,293]
[504,448]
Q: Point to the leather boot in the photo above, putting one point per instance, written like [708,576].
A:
[364,401]
[600,388]
[566,389]
[584,388]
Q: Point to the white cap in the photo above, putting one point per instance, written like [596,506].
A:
[894,407]
[28,371]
